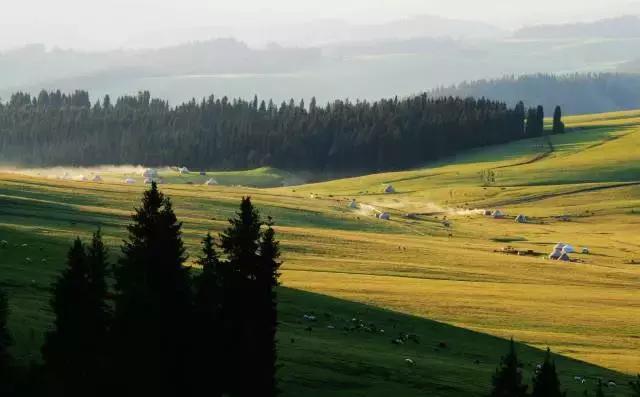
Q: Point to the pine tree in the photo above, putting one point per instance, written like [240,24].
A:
[558,125]
[267,282]
[207,358]
[540,120]
[153,309]
[73,350]
[546,382]
[250,305]
[507,381]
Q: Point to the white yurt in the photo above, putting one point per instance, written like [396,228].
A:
[129,181]
[521,219]
[353,204]
[568,249]
[498,214]
[384,216]
[211,182]
[183,170]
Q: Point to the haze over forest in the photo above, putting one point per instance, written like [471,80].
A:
[330,56]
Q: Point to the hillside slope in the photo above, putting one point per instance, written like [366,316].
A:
[584,190]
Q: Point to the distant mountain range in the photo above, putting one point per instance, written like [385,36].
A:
[339,60]
[622,27]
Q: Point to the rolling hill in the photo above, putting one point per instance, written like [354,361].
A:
[440,273]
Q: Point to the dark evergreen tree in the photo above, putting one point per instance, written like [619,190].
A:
[507,381]
[267,280]
[74,350]
[558,125]
[540,120]
[207,357]
[249,312]
[546,382]
[154,305]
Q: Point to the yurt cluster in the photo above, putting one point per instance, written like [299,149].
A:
[561,252]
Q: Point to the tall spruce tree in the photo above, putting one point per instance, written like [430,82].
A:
[546,382]
[267,282]
[74,349]
[154,305]
[507,381]
[540,120]
[249,313]
[558,125]
[207,358]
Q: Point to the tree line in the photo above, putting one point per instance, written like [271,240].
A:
[159,329]
[578,93]
[53,128]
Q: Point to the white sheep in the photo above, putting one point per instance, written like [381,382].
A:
[28,260]
[409,362]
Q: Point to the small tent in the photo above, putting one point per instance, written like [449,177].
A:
[555,255]
[211,182]
[97,178]
[521,219]
[129,181]
[353,204]
[564,257]
[389,189]
[497,214]
[384,216]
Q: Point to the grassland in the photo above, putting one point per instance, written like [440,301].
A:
[445,284]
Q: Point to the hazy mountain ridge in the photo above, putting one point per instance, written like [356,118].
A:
[407,57]
[620,27]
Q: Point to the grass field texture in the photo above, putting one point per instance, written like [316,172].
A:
[406,275]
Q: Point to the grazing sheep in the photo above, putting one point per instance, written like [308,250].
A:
[43,260]
[4,244]
[309,317]
[397,341]
[611,384]
[409,362]
[330,327]
[28,260]
[24,245]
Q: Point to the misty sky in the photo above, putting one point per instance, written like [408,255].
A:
[101,24]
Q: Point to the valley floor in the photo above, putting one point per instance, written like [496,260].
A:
[444,263]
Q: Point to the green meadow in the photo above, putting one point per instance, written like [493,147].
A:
[439,274]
